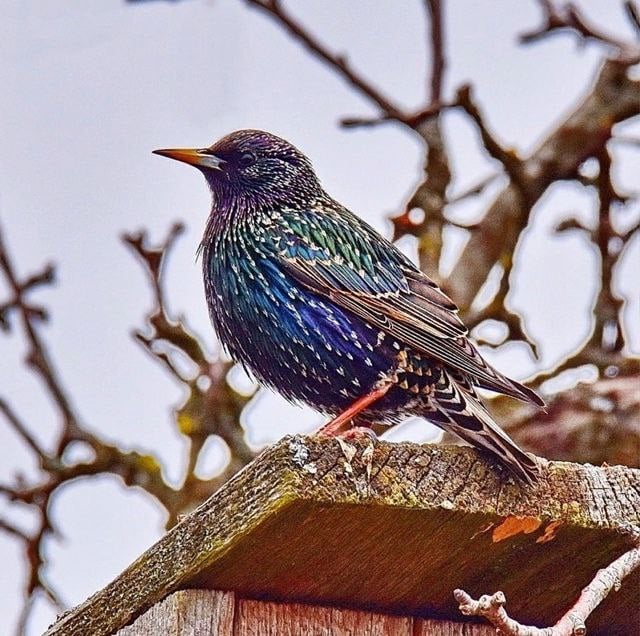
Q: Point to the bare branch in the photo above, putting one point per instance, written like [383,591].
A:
[612,98]
[411,119]
[633,13]
[508,158]
[173,333]
[572,623]
[37,355]
[438,60]
[14,531]
[474,190]
[627,236]
[21,429]
[338,63]
[567,16]
[211,408]
[497,309]
[46,277]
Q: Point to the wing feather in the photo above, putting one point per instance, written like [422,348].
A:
[375,281]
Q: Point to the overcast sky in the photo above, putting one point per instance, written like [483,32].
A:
[90,87]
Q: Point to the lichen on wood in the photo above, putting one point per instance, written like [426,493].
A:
[389,527]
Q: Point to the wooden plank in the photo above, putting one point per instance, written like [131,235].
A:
[187,613]
[259,618]
[393,530]
[211,613]
[433,627]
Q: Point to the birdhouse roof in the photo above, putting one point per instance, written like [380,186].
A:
[393,528]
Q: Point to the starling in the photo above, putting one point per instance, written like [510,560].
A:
[327,312]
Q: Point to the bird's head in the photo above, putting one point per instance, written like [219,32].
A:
[252,167]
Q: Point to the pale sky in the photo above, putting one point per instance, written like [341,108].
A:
[90,87]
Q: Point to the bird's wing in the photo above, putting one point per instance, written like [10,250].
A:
[337,255]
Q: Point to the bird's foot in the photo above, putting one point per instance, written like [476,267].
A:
[349,434]
[359,433]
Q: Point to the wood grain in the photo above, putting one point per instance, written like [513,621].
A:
[211,613]
[187,613]
[392,529]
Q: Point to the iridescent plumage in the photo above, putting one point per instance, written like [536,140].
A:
[323,309]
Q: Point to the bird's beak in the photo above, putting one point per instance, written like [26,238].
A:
[200,157]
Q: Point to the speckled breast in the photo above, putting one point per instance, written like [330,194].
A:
[293,340]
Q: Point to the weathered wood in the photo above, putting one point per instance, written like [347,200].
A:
[187,613]
[434,627]
[259,618]
[210,613]
[393,529]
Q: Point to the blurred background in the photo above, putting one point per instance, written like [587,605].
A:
[499,144]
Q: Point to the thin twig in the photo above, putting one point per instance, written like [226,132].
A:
[572,623]
[37,355]
[633,13]
[438,60]
[473,190]
[567,16]
[508,158]
[21,429]
[339,63]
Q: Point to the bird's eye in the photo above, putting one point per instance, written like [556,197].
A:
[247,159]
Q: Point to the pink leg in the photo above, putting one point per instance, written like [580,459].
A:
[339,423]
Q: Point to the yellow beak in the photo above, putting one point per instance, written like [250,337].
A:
[200,157]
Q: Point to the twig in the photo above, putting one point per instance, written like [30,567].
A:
[21,429]
[496,309]
[628,234]
[171,333]
[572,623]
[411,119]
[339,63]
[438,60]
[46,277]
[612,98]
[14,531]
[37,355]
[633,13]
[567,16]
[430,194]
[213,409]
[473,190]
[508,158]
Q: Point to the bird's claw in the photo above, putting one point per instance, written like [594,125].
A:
[359,433]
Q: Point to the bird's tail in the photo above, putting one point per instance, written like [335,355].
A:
[469,419]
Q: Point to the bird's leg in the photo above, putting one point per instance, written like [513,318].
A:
[340,423]
[364,431]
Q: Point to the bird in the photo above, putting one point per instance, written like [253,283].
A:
[320,307]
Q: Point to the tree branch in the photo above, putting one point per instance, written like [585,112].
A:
[211,408]
[567,16]
[339,63]
[508,158]
[438,60]
[572,623]
[611,99]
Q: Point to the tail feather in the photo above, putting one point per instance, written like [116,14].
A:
[514,389]
[470,420]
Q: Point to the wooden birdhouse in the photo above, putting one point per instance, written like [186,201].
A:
[324,537]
